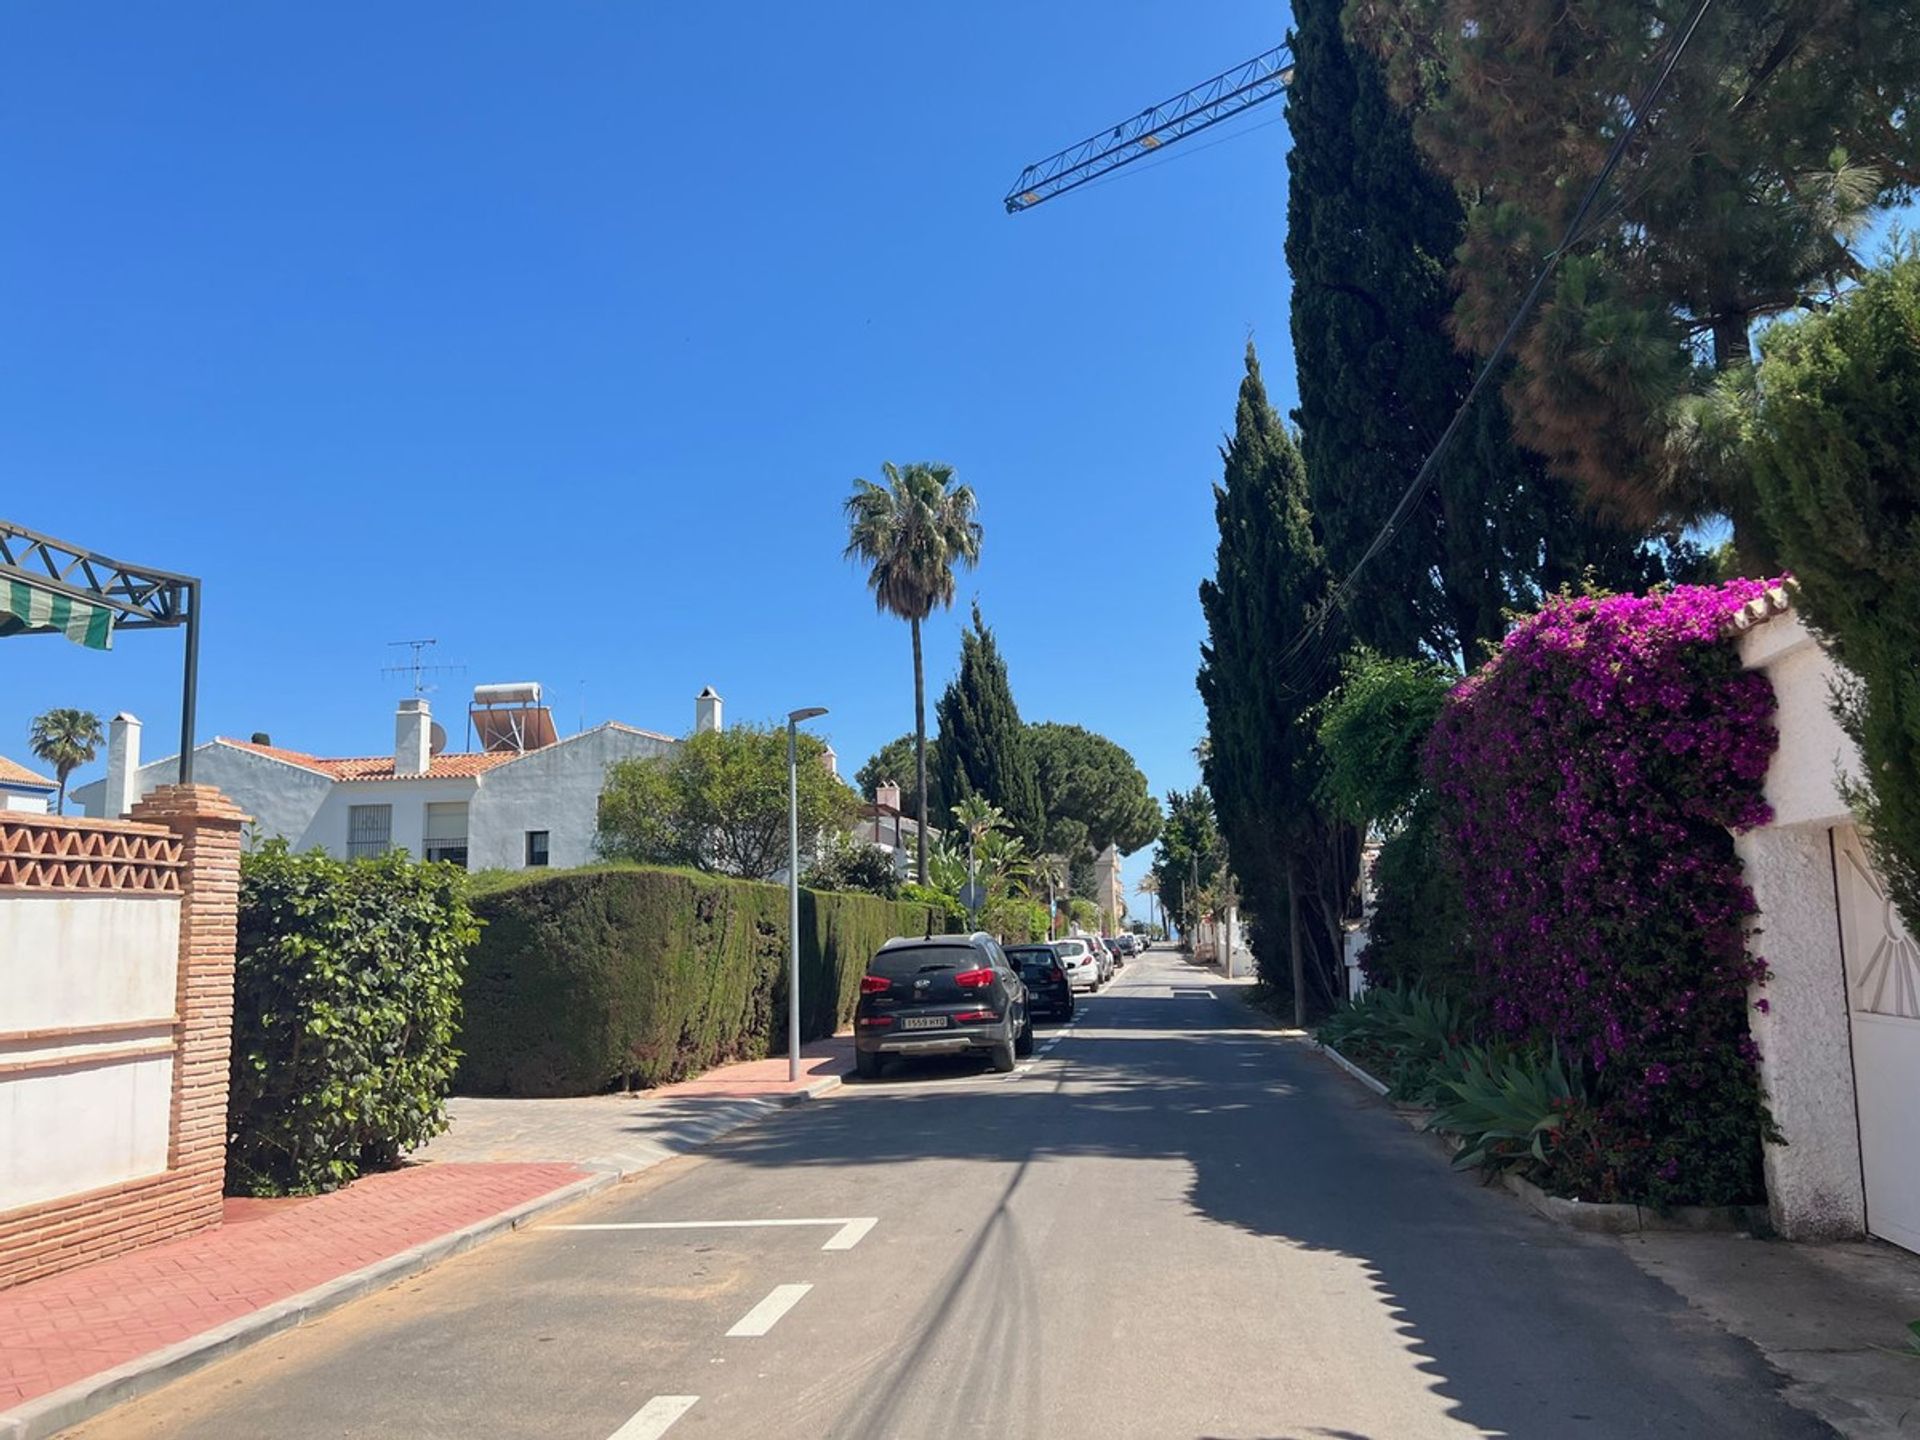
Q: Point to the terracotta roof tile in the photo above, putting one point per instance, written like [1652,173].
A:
[12,774]
[1763,607]
[376,767]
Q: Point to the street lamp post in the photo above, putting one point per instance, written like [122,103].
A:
[794,717]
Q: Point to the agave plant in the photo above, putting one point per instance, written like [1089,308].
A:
[1507,1106]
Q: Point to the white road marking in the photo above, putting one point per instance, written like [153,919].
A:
[656,1417]
[849,1230]
[764,1316]
[851,1233]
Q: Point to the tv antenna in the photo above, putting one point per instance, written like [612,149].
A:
[417,667]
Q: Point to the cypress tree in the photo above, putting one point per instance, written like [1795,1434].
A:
[1261,761]
[1370,234]
[983,747]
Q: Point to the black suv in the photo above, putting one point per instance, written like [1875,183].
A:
[942,995]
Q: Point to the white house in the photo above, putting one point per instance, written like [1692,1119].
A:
[22,790]
[525,798]
[883,823]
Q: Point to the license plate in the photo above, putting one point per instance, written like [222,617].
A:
[923,1022]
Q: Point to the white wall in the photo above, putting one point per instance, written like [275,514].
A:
[1814,1186]
[284,800]
[409,799]
[556,789]
[87,992]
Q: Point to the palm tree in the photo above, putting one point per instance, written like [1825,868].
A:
[66,740]
[910,533]
[1149,886]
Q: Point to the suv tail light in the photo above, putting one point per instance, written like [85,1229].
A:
[976,1017]
[875,984]
[974,979]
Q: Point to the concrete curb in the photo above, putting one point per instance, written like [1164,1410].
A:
[49,1414]
[1592,1217]
[1352,1069]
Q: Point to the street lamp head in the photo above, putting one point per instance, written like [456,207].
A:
[811,712]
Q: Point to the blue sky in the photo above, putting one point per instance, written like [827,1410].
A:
[558,332]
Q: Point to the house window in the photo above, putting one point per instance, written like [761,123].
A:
[536,847]
[446,834]
[369,831]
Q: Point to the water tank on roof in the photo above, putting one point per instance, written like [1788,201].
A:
[519,692]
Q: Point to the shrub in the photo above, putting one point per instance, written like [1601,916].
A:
[587,979]
[346,997]
[1835,455]
[1508,1107]
[1418,931]
[1373,731]
[1398,1035]
[845,863]
[1589,778]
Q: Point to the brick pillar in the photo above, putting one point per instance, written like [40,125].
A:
[209,826]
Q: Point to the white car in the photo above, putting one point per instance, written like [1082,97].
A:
[1080,962]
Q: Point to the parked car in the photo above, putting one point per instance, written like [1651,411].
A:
[941,995]
[1082,964]
[1101,954]
[1049,991]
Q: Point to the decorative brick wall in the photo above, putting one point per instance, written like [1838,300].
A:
[180,847]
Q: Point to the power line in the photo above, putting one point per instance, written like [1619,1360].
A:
[1337,598]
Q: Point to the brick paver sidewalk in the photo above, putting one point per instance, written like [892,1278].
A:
[70,1327]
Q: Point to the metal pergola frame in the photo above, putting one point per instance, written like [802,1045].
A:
[142,598]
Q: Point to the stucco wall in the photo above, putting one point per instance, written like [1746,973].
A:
[557,790]
[1814,1188]
[409,799]
[284,800]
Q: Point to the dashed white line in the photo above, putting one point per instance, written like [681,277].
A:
[656,1417]
[850,1234]
[764,1316]
[849,1230]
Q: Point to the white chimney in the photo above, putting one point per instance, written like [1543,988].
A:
[706,710]
[412,737]
[831,760]
[887,793]
[123,766]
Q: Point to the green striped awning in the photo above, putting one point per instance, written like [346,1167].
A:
[25,607]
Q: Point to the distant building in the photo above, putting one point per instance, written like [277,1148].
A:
[22,790]
[525,798]
[1108,893]
[883,823]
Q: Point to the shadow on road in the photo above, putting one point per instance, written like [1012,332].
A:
[1522,1326]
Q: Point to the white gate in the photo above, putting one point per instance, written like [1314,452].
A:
[1883,1005]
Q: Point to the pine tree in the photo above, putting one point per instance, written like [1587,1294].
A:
[1783,125]
[983,748]
[1370,233]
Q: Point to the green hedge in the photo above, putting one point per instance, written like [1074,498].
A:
[346,1000]
[587,979]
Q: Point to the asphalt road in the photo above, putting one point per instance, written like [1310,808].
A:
[1175,1223]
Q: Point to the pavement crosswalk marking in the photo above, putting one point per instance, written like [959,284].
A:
[764,1316]
[656,1417]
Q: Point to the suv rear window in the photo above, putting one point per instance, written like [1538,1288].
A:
[1039,958]
[921,959]
[1070,949]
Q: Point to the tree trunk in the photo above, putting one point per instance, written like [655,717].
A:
[1732,341]
[1293,943]
[920,752]
[60,806]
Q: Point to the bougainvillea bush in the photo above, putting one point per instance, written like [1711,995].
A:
[1589,778]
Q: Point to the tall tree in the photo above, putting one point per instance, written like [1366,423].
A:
[910,533]
[1190,853]
[66,739]
[1783,124]
[1261,760]
[1091,791]
[1371,230]
[983,746]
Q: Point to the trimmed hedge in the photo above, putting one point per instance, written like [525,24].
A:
[588,979]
